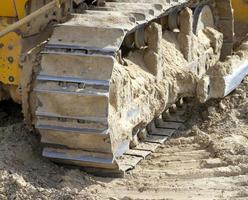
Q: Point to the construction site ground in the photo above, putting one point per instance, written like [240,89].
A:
[206,159]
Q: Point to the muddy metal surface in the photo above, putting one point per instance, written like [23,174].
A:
[208,160]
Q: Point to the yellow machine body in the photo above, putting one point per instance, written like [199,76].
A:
[240,10]
[10,50]
[13,8]
[10,44]
[9,8]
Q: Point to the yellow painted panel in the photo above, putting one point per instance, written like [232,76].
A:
[7,8]
[240,10]
[13,8]
[10,50]
[20,8]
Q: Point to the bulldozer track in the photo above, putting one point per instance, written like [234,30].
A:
[73,84]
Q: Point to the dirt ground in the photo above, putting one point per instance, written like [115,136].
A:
[208,160]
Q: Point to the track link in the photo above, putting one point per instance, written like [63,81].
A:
[73,87]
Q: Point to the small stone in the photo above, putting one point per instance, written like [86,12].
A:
[211,110]
[173,108]
[243,95]
[202,138]
[222,106]
[20,182]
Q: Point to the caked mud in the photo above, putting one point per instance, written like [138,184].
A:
[208,160]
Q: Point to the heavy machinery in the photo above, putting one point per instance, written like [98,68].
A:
[240,10]
[93,75]
[241,18]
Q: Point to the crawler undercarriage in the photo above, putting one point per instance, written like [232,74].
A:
[108,75]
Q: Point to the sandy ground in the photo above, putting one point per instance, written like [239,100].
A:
[208,160]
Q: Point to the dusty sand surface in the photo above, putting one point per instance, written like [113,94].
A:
[207,160]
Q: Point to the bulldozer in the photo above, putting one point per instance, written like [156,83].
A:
[96,78]
[240,18]
[240,10]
